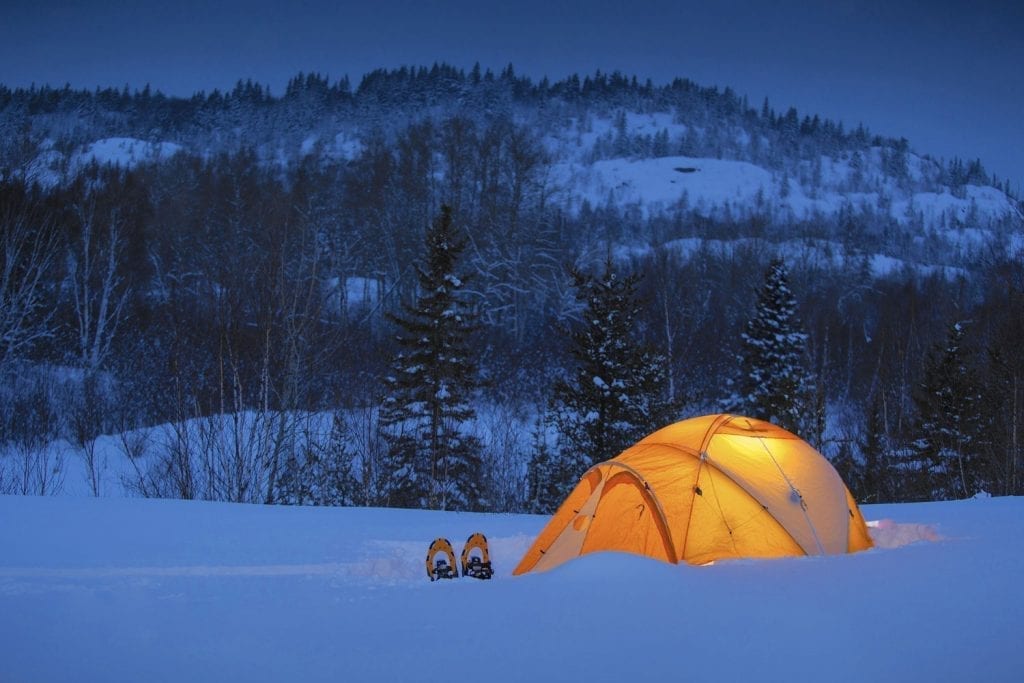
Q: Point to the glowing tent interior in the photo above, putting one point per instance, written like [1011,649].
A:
[705,489]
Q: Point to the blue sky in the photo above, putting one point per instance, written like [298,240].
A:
[945,75]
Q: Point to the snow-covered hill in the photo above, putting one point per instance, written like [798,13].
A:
[659,184]
[653,149]
[714,186]
[158,590]
[681,153]
[52,167]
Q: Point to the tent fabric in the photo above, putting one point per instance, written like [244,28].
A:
[706,489]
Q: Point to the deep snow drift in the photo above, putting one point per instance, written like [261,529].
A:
[114,589]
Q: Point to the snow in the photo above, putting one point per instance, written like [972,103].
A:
[355,294]
[977,201]
[810,253]
[51,167]
[972,219]
[124,152]
[308,145]
[651,123]
[347,145]
[713,185]
[118,589]
[45,169]
[657,184]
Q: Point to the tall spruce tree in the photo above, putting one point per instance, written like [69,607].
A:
[775,383]
[616,394]
[431,460]
[947,455]
[544,489]
[876,485]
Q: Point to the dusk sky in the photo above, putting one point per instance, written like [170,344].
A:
[945,75]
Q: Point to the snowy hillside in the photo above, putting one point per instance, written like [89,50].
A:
[714,186]
[605,141]
[133,590]
[720,187]
[659,184]
[52,167]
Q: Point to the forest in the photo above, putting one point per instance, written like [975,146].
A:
[376,295]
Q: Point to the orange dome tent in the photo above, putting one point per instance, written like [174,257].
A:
[704,489]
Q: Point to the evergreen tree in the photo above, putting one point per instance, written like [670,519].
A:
[617,393]
[876,484]
[775,383]
[851,471]
[321,472]
[947,455]
[288,487]
[544,488]
[660,145]
[431,461]
[621,144]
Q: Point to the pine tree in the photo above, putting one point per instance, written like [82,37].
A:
[876,484]
[947,455]
[331,468]
[431,461]
[321,472]
[544,490]
[851,471]
[288,487]
[775,383]
[621,143]
[617,394]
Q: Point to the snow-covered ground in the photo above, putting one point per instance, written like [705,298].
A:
[711,185]
[656,184]
[51,167]
[118,589]
[124,152]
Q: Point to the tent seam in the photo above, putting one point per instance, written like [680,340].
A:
[794,489]
[657,502]
[701,459]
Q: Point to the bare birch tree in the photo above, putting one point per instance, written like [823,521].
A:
[98,291]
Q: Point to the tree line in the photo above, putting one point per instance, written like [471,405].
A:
[720,123]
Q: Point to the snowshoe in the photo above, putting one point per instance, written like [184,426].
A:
[476,558]
[442,567]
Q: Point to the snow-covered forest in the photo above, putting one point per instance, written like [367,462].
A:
[456,290]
